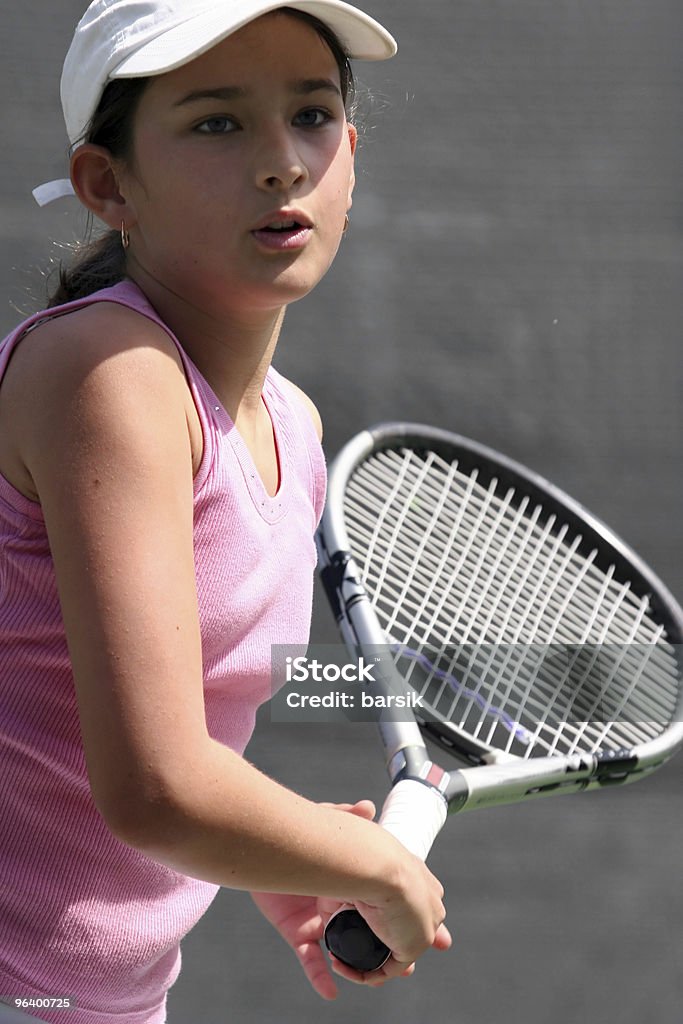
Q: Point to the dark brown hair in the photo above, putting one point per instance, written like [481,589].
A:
[101,262]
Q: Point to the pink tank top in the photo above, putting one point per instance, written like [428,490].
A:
[82,914]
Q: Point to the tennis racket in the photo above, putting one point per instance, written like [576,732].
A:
[544,656]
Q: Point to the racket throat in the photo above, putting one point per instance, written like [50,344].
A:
[411,764]
[506,783]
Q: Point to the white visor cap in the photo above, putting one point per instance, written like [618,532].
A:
[137,38]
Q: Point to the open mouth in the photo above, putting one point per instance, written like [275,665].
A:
[283,234]
[282,226]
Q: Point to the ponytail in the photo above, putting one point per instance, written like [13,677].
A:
[99,263]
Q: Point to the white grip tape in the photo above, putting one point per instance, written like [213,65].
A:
[414,814]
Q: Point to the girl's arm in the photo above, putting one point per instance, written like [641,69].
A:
[104,440]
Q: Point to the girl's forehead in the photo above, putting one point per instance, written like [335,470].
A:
[276,44]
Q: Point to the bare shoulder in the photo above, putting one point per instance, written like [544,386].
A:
[99,363]
[310,405]
[85,338]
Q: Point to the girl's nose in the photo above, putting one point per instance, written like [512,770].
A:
[279,165]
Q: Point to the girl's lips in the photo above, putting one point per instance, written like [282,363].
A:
[282,241]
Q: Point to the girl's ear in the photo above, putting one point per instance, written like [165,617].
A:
[353,139]
[95,181]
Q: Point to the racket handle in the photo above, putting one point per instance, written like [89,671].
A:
[414,813]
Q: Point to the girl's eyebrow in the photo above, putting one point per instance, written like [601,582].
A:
[226,92]
[301,87]
[305,85]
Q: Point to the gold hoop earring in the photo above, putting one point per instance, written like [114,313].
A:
[346,225]
[125,236]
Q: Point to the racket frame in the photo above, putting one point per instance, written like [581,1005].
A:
[498,777]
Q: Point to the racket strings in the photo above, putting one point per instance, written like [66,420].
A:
[481,577]
[399,554]
[381,553]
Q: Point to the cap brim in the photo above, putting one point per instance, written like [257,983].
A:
[362,37]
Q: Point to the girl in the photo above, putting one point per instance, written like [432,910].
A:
[160,487]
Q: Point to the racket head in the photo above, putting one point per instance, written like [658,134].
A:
[443,539]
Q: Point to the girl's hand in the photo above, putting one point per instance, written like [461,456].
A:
[378,918]
[392,968]
[300,920]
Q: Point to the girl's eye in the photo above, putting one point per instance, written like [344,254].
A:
[314,117]
[218,125]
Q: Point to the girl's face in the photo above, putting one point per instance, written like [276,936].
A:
[242,170]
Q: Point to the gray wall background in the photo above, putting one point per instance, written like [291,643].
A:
[512,272]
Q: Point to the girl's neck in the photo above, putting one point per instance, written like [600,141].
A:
[232,351]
